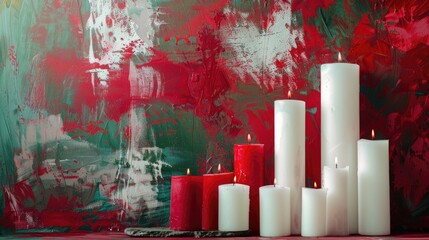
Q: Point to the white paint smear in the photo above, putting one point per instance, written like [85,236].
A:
[255,53]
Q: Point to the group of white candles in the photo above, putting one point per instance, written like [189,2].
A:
[354,197]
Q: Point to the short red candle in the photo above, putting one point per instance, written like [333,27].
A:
[186,197]
[211,183]
[249,169]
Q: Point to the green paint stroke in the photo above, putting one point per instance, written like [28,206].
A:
[15,23]
[338,24]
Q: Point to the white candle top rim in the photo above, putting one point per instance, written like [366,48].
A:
[232,185]
[339,168]
[274,187]
[373,140]
[285,101]
[316,189]
[344,63]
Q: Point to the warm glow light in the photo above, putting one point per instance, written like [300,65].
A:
[218,167]
[289,94]
[275,182]
[336,162]
[372,134]
[188,172]
[315,184]
[340,59]
[249,138]
[235,180]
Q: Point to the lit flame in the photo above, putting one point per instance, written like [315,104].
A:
[249,138]
[289,94]
[188,172]
[235,180]
[336,162]
[372,134]
[340,59]
[315,184]
[275,182]
[218,167]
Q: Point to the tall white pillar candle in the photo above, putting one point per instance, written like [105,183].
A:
[335,181]
[233,207]
[313,212]
[274,205]
[340,125]
[289,153]
[373,186]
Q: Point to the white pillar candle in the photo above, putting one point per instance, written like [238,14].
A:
[373,186]
[340,125]
[313,212]
[289,153]
[335,181]
[274,205]
[233,207]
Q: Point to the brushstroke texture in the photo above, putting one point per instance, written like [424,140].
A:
[103,101]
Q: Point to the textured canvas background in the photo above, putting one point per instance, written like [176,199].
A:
[102,101]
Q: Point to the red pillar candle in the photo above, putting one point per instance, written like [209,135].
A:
[249,169]
[211,183]
[186,197]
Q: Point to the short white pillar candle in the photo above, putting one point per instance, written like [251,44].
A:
[373,187]
[313,212]
[274,205]
[335,181]
[233,207]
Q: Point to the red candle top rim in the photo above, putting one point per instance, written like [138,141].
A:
[247,144]
[216,174]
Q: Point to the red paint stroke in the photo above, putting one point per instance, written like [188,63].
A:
[414,71]
[122,4]
[313,138]
[13,59]
[88,127]
[371,53]
[309,10]
[57,3]
[407,23]
[51,16]
[261,124]
[65,74]
[409,150]
[183,27]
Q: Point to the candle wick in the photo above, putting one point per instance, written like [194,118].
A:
[336,165]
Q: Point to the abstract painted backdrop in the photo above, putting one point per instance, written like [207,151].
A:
[102,101]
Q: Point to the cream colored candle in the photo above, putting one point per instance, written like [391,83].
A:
[274,211]
[313,212]
[233,207]
[340,125]
[289,153]
[373,186]
[335,181]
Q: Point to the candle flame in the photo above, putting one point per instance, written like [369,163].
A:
[315,184]
[372,134]
[188,172]
[336,162]
[340,59]
[218,168]
[275,182]
[249,138]
[235,180]
[289,94]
